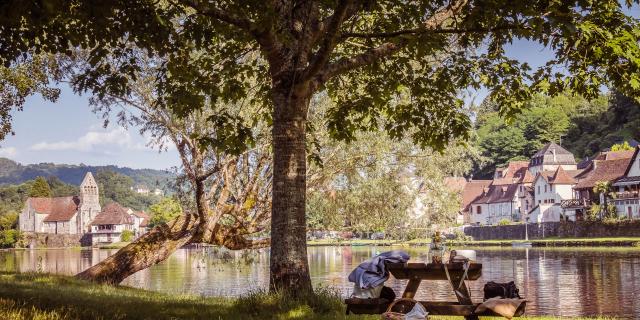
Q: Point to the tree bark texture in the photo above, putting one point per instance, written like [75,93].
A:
[289,265]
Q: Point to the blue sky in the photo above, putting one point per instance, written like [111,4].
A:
[69,132]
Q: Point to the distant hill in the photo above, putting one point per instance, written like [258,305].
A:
[12,172]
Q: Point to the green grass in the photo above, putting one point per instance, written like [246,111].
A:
[51,297]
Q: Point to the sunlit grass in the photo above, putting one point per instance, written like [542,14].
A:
[51,297]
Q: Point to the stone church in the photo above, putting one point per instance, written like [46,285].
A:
[62,215]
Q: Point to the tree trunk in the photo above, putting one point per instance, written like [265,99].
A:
[289,266]
[150,249]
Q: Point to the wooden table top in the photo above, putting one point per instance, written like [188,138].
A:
[430,271]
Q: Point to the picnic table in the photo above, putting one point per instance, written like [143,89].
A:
[416,273]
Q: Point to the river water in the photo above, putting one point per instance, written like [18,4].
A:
[561,281]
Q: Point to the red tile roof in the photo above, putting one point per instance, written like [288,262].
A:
[498,193]
[605,170]
[613,155]
[56,209]
[562,177]
[112,213]
[515,172]
[472,190]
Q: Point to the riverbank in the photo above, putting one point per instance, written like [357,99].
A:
[548,242]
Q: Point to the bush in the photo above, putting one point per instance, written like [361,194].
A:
[504,222]
[8,238]
[127,236]
[459,235]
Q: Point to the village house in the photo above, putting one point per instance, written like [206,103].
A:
[550,188]
[500,199]
[110,223]
[627,188]
[472,189]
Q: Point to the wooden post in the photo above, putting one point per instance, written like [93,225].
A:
[412,288]
[462,292]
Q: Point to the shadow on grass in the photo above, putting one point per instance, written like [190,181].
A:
[60,297]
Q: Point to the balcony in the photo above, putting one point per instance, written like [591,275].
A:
[575,203]
[627,195]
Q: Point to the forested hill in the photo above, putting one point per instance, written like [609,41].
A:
[582,127]
[12,172]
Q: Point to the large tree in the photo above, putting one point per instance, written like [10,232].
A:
[365,54]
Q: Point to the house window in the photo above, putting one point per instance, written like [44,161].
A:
[551,188]
[478,209]
[538,189]
[545,188]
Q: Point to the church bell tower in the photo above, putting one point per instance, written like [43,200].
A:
[89,202]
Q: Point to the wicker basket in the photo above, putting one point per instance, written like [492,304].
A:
[398,309]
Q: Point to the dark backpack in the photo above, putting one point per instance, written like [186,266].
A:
[388,293]
[504,290]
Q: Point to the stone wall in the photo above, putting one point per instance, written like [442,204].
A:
[51,240]
[581,229]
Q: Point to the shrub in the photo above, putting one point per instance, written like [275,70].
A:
[504,222]
[8,238]
[460,236]
[127,236]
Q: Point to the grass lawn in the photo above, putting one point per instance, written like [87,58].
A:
[50,297]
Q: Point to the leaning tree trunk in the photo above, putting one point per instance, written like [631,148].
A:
[150,249]
[289,266]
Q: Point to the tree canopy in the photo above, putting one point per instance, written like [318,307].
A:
[40,188]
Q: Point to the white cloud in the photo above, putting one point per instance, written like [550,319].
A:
[93,141]
[8,152]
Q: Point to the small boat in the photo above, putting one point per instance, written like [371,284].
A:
[521,244]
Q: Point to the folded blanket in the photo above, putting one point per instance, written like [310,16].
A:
[507,308]
[373,272]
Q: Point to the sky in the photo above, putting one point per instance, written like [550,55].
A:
[68,132]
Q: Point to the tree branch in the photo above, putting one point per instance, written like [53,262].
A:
[331,34]
[221,15]
[389,48]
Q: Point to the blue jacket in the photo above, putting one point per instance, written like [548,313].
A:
[373,272]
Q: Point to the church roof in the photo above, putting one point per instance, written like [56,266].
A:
[88,179]
[56,209]
[112,213]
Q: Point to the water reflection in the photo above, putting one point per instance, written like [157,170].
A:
[563,282]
